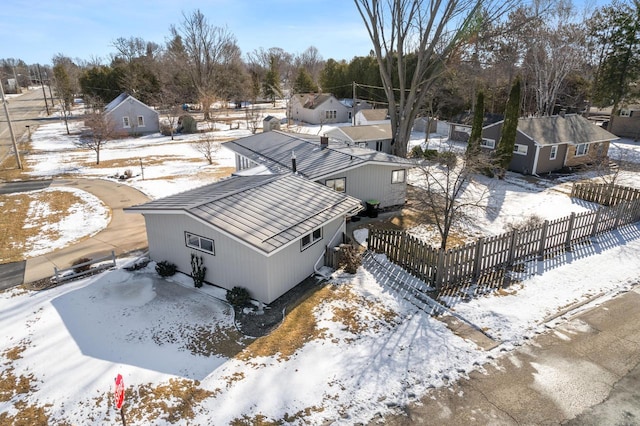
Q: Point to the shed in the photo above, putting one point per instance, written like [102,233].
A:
[270,123]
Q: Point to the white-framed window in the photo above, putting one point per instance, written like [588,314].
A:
[554,152]
[310,239]
[338,184]
[398,176]
[362,144]
[379,145]
[582,149]
[199,243]
[330,114]
[140,121]
[244,163]
[520,149]
[488,143]
[625,113]
[125,122]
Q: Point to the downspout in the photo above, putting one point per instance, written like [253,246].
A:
[535,159]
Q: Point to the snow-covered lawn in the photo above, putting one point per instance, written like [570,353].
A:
[360,350]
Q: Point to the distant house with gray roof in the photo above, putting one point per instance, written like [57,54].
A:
[546,144]
[372,116]
[359,172]
[322,108]
[266,233]
[131,116]
[373,136]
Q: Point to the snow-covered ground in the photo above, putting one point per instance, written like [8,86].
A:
[368,352]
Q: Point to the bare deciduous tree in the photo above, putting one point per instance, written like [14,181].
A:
[253,117]
[448,190]
[207,146]
[426,31]
[99,129]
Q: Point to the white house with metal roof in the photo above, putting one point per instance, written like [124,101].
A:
[373,136]
[131,116]
[359,172]
[266,233]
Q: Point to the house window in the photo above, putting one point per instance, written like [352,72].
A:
[378,145]
[488,143]
[554,152]
[625,113]
[362,144]
[125,122]
[520,149]
[582,149]
[398,176]
[330,114]
[337,185]
[244,163]
[140,121]
[199,243]
[310,239]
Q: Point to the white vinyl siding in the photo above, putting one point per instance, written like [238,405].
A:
[554,152]
[199,243]
[125,122]
[520,149]
[582,149]
[337,184]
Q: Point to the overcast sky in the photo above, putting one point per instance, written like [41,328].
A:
[35,31]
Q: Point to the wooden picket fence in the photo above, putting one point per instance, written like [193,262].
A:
[446,268]
[605,194]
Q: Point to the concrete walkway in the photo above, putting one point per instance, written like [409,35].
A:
[125,233]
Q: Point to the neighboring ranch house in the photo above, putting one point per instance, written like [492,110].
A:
[359,172]
[374,136]
[131,116]
[318,109]
[266,233]
[547,144]
[626,123]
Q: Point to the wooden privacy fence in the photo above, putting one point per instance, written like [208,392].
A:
[605,194]
[442,268]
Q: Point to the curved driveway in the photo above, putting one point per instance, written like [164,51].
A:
[125,233]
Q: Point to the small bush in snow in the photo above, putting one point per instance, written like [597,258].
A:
[238,296]
[166,269]
[529,222]
[349,258]
[84,268]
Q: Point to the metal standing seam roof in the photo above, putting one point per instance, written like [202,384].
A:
[571,128]
[273,150]
[265,212]
[369,132]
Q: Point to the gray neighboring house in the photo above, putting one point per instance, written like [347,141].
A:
[547,144]
[266,233]
[316,108]
[359,172]
[373,136]
[131,116]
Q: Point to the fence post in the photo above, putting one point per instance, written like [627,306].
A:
[477,262]
[596,222]
[55,272]
[113,258]
[543,240]
[512,247]
[567,242]
[440,269]
[618,215]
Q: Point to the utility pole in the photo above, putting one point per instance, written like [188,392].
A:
[354,104]
[46,105]
[49,85]
[13,136]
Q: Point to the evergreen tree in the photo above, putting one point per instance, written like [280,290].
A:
[473,147]
[271,86]
[507,141]
[304,83]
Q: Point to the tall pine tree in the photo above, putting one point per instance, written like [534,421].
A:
[507,142]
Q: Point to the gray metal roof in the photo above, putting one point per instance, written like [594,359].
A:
[273,150]
[571,128]
[369,132]
[265,212]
